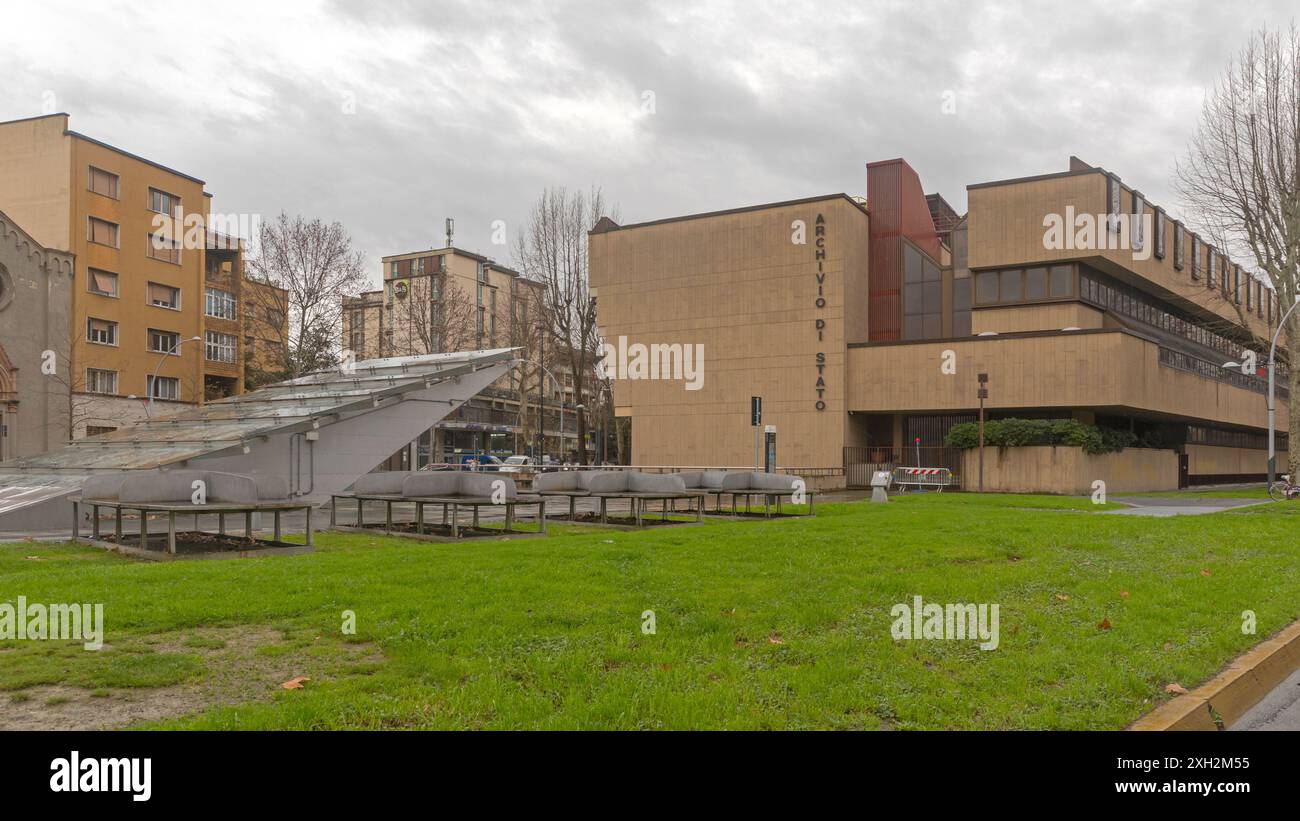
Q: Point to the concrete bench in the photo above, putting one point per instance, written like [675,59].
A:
[450,489]
[173,492]
[604,485]
[772,487]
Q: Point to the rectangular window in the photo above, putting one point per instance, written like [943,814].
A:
[161,202]
[160,248]
[100,282]
[163,387]
[986,287]
[101,331]
[102,232]
[1060,285]
[103,182]
[219,303]
[98,430]
[1009,286]
[164,296]
[101,381]
[1178,246]
[220,347]
[163,341]
[1035,283]
[492,316]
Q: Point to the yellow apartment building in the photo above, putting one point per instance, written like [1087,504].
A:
[155,289]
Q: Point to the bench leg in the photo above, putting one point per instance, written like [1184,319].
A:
[541,514]
[444,514]
[699,509]
[604,510]
[475,516]
[510,516]
[277,525]
[388,516]
[455,529]
[334,506]
[171,532]
[663,515]
[360,513]
[248,525]
[309,541]
[76,521]
[419,518]
[94,522]
[573,508]
[144,529]
[221,524]
[117,526]
[637,509]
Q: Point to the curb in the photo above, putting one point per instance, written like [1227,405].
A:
[1238,687]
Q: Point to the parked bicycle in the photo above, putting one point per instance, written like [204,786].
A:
[1284,489]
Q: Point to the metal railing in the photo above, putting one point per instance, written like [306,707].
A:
[861,462]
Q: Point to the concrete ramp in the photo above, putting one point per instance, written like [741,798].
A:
[318,432]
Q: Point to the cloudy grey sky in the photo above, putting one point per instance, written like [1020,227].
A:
[390,116]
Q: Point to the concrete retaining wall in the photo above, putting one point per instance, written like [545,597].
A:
[1069,471]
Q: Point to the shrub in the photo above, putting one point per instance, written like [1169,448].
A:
[1011,433]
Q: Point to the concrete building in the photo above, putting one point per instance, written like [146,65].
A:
[151,272]
[35,300]
[864,324]
[451,299]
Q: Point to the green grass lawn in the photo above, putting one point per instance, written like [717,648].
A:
[759,624]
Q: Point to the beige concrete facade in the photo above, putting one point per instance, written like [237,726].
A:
[889,327]
[768,311]
[1070,471]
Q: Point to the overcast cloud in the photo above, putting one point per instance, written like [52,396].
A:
[390,116]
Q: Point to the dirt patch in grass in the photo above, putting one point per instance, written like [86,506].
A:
[241,664]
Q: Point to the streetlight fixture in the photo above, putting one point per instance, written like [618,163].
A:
[541,424]
[983,393]
[1272,402]
[153,383]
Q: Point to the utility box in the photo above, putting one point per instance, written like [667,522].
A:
[769,449]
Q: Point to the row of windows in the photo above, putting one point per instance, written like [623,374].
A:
[219,347]
[217,303]
[108,184]
[1128,301]
[103,381]
[1204,435]
[1015,285]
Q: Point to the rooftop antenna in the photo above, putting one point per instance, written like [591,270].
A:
[451,230]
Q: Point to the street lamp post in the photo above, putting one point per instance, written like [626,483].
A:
[983,393]
[541,423]
[153,386]
[1272,401]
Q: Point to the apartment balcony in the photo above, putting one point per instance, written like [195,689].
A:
[1110,370]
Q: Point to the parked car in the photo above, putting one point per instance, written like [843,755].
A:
[514,464]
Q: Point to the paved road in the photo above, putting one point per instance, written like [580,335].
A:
[1162,506]
[1280,709]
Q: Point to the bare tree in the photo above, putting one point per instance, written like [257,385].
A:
[315,263]
[552,249]
[437,316]
[1241,178]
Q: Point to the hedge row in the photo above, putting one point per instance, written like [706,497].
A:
[1010,433]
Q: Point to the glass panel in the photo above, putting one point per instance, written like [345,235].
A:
[932,327]
[912,299]
[1060,285]
[986,287]
[933,297]
[912,327]
[1010,290]
[961,295]
[1035,283]
[911,264]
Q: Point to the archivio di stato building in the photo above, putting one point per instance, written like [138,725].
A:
[863,324]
